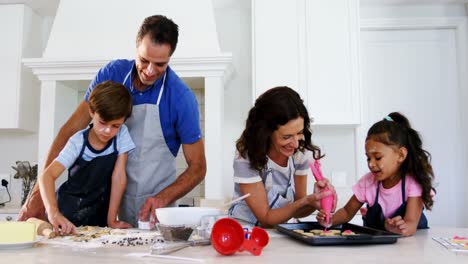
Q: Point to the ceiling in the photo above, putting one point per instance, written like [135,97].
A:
[49,7]
[411,2]
[41,7]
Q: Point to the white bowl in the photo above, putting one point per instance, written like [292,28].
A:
[184,215]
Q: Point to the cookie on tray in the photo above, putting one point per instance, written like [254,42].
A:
[348,233]
[316,232]
[330,232]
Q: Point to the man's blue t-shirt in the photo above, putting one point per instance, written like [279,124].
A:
[178,108]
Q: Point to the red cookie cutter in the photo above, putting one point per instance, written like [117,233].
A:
[228,237]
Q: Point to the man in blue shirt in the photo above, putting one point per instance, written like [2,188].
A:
[165,116]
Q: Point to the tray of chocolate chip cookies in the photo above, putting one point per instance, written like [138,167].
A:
[346,234]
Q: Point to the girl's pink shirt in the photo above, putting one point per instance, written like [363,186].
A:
[389,199]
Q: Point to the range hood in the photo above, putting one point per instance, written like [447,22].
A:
[86,34]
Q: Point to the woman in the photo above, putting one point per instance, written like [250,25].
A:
[271,161]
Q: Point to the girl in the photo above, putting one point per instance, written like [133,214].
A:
[399,183]
[271,161]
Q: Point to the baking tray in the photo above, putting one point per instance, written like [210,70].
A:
[364,235]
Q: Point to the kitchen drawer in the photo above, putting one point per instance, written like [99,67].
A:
[8,217]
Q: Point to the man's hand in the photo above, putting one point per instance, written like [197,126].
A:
[119,224]
[148,209]
[25,213]
[33,207]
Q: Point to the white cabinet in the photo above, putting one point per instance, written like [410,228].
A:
[311,46]
[21,37]
[7,217]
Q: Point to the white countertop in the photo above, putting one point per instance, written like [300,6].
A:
[419,248]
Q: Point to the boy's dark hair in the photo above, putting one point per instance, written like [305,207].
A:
[395,130]
[272,109]
[161,30]
[111,100]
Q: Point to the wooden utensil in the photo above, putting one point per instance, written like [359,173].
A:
[43,228]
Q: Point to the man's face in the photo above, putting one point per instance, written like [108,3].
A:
[151,60]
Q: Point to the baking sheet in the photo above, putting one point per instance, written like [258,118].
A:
[364,235]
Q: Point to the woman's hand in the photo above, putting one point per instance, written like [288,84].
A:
[61,224]
[314,199]
[323,185]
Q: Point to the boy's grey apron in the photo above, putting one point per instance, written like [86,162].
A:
[151,165]
[280,194]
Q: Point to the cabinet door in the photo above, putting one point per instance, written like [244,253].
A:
[21,36]
[275,37]
[8,217]
[11,26]
[332,51]
[311,46]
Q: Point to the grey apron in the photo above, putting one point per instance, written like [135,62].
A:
[151,165]
[278,196]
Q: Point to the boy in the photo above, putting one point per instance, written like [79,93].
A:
[95,158]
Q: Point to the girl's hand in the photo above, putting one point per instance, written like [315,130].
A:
[322,219]
[119,224]
[61,224]
[397,225]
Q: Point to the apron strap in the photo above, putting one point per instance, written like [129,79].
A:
[126,78]
[162,88]
[115,143]
[403,188]
[377,193]
[85,141]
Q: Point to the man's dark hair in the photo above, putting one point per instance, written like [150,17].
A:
[161,30]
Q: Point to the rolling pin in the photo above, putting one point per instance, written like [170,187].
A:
[43,228]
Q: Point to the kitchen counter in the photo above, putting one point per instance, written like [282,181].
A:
[419,248]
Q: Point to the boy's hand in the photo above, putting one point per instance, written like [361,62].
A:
[119,224]
[396,225]
[61,224]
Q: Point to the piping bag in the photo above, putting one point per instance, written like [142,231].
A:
[327,202]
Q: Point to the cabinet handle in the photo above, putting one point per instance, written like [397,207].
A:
[9,218]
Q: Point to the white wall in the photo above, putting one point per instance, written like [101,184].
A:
[233,25]
[423,74]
